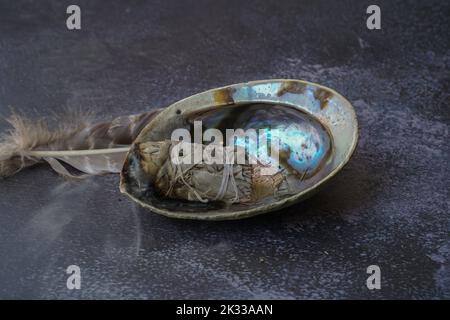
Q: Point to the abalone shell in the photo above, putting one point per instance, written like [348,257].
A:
[316,128]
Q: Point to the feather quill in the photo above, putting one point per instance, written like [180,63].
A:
[91,148]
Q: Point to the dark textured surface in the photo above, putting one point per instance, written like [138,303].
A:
[389,206]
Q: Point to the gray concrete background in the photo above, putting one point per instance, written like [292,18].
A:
[389,206]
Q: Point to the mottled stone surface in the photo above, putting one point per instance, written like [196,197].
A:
[389,206]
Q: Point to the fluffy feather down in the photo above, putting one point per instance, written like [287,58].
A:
[92,148]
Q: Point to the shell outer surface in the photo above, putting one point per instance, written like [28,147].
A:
[323,104]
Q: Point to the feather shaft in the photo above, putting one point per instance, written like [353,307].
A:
[64,153]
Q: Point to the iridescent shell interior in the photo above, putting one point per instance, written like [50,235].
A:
[317,128]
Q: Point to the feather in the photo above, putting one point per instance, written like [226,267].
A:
[91,148]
